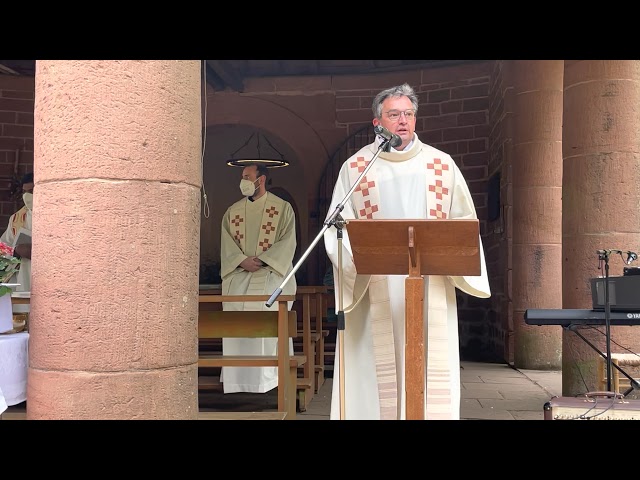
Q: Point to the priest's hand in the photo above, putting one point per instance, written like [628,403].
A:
[251,264]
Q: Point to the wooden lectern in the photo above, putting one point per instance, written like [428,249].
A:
[415,247]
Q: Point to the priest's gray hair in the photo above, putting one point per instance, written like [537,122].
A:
[403,90]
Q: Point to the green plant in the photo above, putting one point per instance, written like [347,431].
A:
[9,265]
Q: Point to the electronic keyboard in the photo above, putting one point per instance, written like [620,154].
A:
[566,317]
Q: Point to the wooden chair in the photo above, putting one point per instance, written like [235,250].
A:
[253,324]
[617,381]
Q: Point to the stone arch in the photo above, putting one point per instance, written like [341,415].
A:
[309,155]
[276,120]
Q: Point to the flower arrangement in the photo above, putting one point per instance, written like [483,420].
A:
[9,265]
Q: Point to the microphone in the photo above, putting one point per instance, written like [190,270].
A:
[631,257]
[394,140]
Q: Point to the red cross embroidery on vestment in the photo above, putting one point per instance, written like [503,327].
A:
[438,189]
[437,166]
[264,244]
[272,212]
[365,186]
[237,220]
[368,210]
[268,228]
[438,213]
[360,164]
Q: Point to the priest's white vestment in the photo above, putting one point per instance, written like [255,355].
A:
[420,182]
[264,228]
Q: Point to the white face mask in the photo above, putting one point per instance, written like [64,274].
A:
[247,187]
[27,198]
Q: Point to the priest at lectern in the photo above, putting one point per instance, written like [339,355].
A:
[411,181]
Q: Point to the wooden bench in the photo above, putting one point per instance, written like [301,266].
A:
[312,342]
[319,364]
[253,324]
[321,294]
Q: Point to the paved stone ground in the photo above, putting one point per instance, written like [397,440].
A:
[490,391]
[499,392]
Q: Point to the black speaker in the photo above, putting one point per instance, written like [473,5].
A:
[629,271]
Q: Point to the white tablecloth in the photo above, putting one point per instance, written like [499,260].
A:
[14,360]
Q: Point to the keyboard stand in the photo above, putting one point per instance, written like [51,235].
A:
[633,382]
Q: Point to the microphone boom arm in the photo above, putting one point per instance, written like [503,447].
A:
[331,220]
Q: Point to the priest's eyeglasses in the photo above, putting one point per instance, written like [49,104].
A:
[394,115]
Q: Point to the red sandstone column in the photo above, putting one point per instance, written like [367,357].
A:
[601,194]
[537,209]
[116,240]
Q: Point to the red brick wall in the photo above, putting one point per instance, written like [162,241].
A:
[498,238]
[457,122]
[16,139]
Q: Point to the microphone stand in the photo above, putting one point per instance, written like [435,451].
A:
[603,255]
[336,220]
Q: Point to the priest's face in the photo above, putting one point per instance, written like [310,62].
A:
[250,173]
[399,117]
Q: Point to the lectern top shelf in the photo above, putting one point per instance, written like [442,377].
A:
[445,247]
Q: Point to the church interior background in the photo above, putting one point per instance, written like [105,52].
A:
[527,135]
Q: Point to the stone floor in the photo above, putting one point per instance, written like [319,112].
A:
[490,391]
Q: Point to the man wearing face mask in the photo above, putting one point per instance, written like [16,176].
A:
[258,241]
[21,220]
